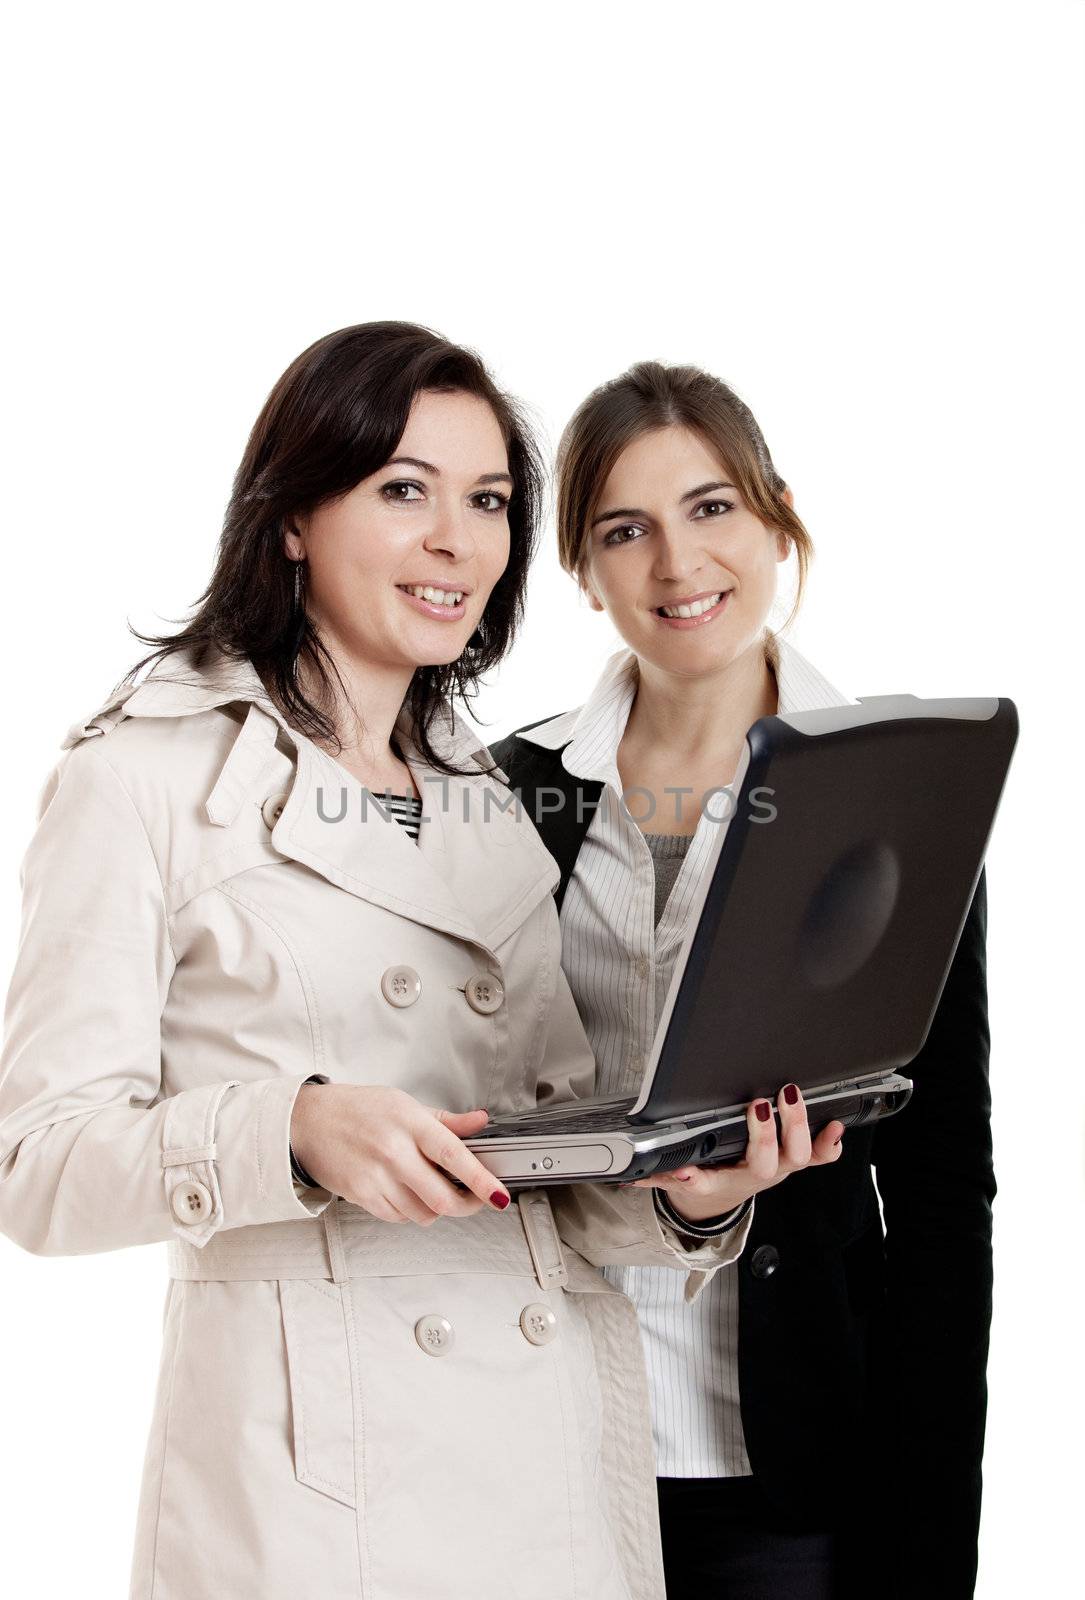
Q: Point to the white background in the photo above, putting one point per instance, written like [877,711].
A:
[867,219]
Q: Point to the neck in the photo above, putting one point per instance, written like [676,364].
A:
[364,720]
[695,719]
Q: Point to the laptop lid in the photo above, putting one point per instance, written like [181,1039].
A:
[839,888]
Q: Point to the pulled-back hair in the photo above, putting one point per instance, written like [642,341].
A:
[650,396]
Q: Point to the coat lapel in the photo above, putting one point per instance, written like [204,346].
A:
[476,872]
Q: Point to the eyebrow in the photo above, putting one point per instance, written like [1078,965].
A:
[632,511]
[427,466]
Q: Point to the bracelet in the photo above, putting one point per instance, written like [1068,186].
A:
[710,1228]
[300,1173]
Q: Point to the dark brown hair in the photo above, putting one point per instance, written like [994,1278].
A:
[334,417]
[651,396]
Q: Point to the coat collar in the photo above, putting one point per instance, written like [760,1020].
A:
[477,870]
[176,687]
[589,736]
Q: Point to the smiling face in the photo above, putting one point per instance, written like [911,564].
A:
[400,568]
[685,570]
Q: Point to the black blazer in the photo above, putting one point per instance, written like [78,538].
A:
[862,1353]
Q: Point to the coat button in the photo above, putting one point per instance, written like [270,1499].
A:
[538,1323]
[764,1261]
[434,1335]
[191,1202]
[272,808]
[484,993]
[401,986]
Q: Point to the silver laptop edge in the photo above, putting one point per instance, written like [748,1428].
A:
[542,1156]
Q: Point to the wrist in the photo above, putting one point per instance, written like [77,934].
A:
[701,1227]
[297,1166]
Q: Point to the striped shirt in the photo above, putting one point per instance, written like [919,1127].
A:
[619,964]
[406,809]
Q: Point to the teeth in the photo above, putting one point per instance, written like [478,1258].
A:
[436,597]
[696,609]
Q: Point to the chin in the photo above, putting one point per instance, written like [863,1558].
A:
[688,653]
[443,658]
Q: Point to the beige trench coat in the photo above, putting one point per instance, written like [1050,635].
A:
[350,1408]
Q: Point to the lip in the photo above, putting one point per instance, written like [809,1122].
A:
[693,622]
[429,609]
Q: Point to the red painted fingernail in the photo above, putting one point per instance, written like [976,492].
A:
[791,1093]
[499,1200]
[764,1110]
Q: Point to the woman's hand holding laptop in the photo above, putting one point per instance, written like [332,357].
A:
[697,1193]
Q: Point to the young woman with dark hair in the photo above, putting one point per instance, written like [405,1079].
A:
[279,956]
[819,1409]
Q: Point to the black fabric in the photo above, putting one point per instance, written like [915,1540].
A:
[724,1532]
[862,1354]
[560,805]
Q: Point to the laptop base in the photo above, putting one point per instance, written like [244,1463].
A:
[620,1151]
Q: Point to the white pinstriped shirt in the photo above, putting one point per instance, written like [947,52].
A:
[619,965]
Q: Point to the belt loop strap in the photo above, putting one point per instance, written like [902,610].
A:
[333,1234]
[542,1238]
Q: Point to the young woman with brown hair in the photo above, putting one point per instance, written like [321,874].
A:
[819,1408]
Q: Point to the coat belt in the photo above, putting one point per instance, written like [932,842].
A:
[346,1241]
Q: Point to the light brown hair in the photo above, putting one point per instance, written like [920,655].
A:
[651,396]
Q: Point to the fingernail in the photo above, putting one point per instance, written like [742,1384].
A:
[838,1141]
[764,1110]
[791,1093]
[499,1200]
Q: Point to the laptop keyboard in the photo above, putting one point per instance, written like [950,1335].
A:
[596,1118]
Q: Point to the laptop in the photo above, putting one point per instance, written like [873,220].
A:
[827,922]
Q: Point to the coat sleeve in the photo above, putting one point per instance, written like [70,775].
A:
[92,1155]
[605,1224]
[935,1174]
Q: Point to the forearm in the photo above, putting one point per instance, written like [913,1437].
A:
[210,1157]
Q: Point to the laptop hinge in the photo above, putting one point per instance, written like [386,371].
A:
[858,1083]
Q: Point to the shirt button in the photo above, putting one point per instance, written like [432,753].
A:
[434,1335]
[538,1323]
[484,993]
[191,1202]
[272,808]
[643,966]
[764,1261]
[401,986]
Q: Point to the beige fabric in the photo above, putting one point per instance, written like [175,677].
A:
[207,917]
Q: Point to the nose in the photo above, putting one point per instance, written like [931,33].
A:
[676,557]
[452,534]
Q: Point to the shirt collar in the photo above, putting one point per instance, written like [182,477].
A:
[590,735]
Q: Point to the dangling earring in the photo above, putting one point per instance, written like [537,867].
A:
[298,618]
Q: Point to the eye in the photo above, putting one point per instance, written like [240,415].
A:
[625,533]
[497,502]
[714,508]
[401,490]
